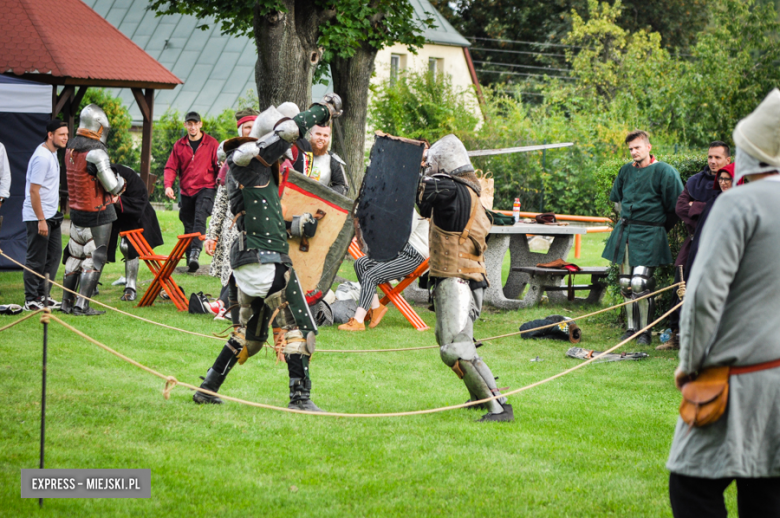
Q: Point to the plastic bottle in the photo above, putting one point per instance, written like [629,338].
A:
[665,336]
[516,210]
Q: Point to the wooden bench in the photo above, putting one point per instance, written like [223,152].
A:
[550,280]
[162,266]
[394,295]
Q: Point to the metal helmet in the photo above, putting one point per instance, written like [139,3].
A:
[265,122]
[94,119]
[448,155]
[288,109]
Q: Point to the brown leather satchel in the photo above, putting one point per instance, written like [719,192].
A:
[706,396]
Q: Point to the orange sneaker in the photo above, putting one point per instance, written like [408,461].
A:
[376,316]
[352,325]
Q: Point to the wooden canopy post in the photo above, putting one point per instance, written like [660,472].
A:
[145,102]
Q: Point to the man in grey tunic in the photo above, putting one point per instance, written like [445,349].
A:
[729,319]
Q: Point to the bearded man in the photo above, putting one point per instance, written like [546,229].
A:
[645,194]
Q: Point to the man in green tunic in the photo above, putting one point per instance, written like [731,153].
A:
[645,193]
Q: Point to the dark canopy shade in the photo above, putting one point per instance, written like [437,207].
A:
[25,108]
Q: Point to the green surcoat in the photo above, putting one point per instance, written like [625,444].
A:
[647,197]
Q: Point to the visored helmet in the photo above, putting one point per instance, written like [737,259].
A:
[94,122]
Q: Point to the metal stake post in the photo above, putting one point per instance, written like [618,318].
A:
[43,379]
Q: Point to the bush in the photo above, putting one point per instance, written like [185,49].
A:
[121,148]
[421,105]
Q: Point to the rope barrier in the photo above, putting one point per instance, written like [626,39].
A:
[343,351]
[171,382]
[19,321]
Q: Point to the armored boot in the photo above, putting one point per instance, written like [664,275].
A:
[192,260]
[632,316]
[507,415]
[300,395]
[645,310]
[300,383]
[131,278]
[88,283]
[71,282]
[217,374]
[212,382]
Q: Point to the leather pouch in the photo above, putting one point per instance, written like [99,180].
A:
[705,398]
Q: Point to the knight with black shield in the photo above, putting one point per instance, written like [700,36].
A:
[449,195]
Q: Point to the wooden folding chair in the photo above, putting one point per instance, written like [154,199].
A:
[162,266]
[394,295]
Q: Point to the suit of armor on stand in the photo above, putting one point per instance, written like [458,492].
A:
[449,195]
[92,185]
[267,284]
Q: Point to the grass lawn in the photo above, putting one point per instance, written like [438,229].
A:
[593,443]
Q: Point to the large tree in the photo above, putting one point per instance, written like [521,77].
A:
[296,41]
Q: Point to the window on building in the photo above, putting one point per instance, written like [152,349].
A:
[395,66]
[432,62]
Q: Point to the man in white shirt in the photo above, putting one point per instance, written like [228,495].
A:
[5,175]
[39,212]
[327,167]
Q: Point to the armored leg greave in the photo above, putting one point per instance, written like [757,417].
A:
[457,308]
[643,283]
[71,282]
[217,374]
[131,276]
[91,268]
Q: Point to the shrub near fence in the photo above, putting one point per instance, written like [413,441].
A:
[687,164]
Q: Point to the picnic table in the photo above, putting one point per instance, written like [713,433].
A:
[515,240]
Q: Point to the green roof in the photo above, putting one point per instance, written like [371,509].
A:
[216,69]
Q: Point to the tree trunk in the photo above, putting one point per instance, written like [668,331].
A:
[286,53]
[351,78]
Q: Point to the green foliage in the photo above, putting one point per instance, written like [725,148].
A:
[120,144]
[677,21]
[170,128]
[421,105]
[340,31]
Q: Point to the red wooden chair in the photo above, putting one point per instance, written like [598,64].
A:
[162,266]
[394,295]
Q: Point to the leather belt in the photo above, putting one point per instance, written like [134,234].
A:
[624,222]
[746,369]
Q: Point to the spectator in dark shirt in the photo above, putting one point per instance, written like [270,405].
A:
[194,161]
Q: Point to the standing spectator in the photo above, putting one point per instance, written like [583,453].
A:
[194,160]
[5,175]
[729,319]
[327,166]
[645,193]
[700,189]
[39,212]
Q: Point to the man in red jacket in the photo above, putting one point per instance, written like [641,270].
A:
[194,160]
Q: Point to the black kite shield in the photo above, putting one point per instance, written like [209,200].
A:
[387,195]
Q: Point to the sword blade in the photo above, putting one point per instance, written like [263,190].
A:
[523,149]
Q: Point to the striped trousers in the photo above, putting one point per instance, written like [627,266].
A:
[372,273]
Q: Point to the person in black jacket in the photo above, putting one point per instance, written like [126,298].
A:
[133,211]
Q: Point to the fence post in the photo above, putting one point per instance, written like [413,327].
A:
[577,245]
[43,379]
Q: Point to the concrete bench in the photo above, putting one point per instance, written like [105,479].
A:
[551,280]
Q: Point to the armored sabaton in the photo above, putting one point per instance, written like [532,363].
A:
[635,282]
[267,284]
[457,267]
[91,184]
